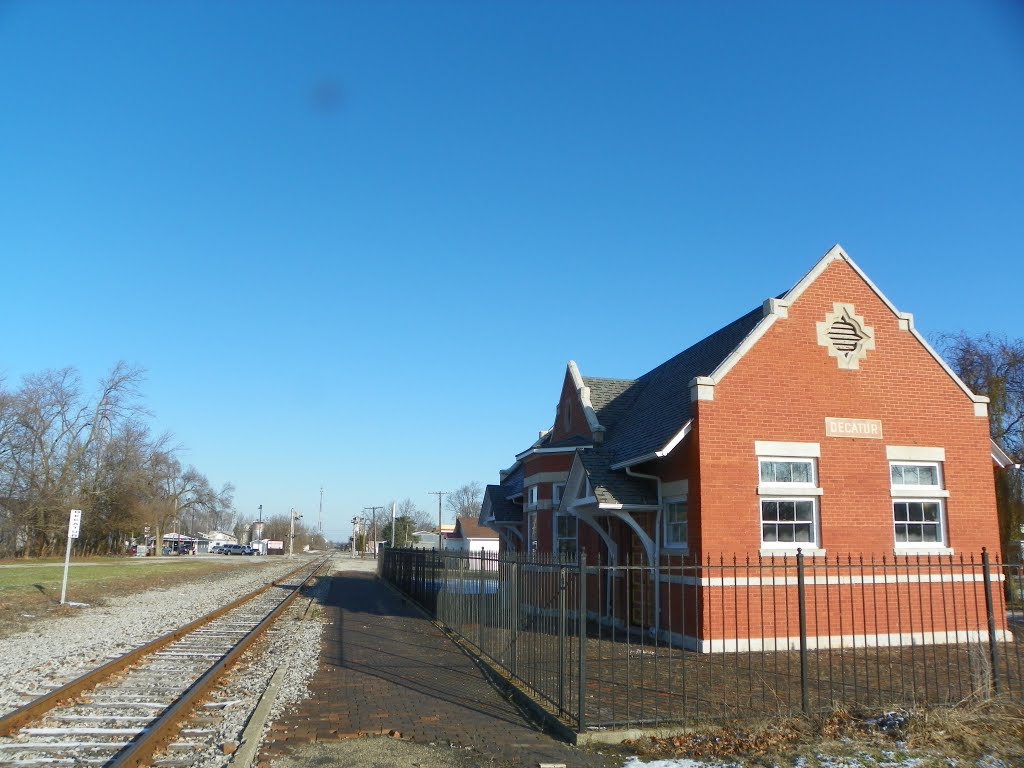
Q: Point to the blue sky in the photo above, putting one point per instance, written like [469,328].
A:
[354,244]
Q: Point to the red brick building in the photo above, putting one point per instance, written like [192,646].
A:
[821,421]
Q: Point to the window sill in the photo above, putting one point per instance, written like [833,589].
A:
[919,493]
[924,551]
[791,552]
[778,489]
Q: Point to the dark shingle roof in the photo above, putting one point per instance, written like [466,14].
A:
[496,504]
[610,398]
[570,442]
[512,483]
[657,405]
[612,487]
[496,498]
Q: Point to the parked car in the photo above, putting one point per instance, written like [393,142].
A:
[215,548]
[247,550]
[232,549]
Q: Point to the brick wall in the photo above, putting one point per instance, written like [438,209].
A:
[786,386]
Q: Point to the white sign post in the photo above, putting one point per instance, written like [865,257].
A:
[73,526]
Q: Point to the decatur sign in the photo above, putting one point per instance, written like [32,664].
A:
[870,429]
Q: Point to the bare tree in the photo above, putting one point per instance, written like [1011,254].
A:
[53,445]
[994,366]
[63,448]
[466,499]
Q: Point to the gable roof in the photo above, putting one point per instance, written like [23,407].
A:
[470,528]
[648,417]
[775,309]
[661,408]
[660,405]
[497,506]
[613,488]
[611,398]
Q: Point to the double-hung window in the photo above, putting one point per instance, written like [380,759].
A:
[918,497]
[788,493]
[566,531]
[677,523]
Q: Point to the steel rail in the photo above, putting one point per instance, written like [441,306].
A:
[36,708]
[159,733]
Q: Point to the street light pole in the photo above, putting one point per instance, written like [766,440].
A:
[374,511]
[440,534]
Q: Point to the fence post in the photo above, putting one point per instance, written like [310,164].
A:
[581,620]
[513,618]
[801,596]
[562,619]
[990,612]
[481,603]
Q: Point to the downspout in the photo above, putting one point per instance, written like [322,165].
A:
[657,549]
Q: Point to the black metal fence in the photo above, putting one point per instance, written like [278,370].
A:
[617,646]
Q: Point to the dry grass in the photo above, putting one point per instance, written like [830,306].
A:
[30,591]
[939,737]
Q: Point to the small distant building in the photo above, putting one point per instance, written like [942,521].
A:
[470,536]
[179,544]
[220,537]
[429,539]
[268,547]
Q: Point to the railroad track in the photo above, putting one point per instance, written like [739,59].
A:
[131,708]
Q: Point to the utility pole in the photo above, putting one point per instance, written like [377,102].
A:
[392,525]
[355,535]
[320,514]
[374,511]
[440,535]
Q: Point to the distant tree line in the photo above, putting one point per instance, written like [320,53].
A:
[63,447]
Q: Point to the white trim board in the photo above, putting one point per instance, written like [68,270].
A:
[828,581]
[583,391]
[826,642]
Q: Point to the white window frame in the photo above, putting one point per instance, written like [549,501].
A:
[775,547]
[532,497]
[773,487]
[557,538]
[796,492]
[940,525]
[903,493]
[557,492]
[667,543]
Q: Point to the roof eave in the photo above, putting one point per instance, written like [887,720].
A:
[588,407]
[659,454]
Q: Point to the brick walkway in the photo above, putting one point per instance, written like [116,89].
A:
[384,667]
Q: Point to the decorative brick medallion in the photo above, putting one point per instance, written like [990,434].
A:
[846,336]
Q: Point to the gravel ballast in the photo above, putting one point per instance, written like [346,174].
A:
[53,653]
